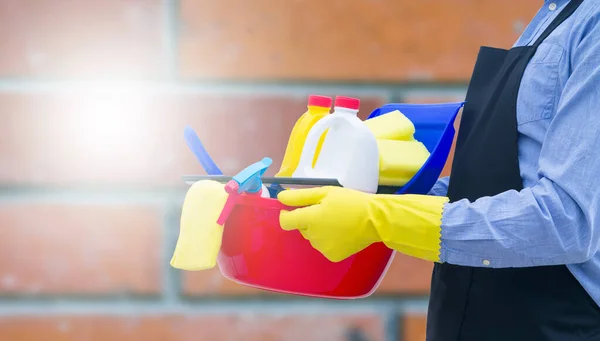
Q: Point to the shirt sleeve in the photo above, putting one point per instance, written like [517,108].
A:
[440,189]
[556,221]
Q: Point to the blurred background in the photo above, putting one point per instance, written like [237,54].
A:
[94,96]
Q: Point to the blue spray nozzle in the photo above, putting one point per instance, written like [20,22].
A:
[249,179]
[194,143]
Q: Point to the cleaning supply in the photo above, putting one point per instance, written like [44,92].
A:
[318,107]
[400,155]
[392,126]
[434,127]
[349,153]
[191,179]
[254,246]
[257,252]
[247,181]
[399,161]
[200,236]
[339,222]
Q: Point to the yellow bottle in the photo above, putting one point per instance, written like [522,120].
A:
[318,107]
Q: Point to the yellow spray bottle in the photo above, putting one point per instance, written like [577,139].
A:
[318,107]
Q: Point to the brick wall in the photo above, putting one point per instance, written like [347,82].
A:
[94,96]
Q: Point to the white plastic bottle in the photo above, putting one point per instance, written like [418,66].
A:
[349,152]
[264,192]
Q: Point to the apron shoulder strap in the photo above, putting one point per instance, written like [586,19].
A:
[562,16]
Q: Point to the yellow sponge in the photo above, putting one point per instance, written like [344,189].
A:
[400,155]
[399,161]
[200,236]
[391,126]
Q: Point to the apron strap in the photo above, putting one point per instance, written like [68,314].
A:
[562,16]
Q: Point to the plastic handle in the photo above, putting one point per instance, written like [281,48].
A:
[275,181]
[312,140]
[231,188]
[194,143]
[249,181]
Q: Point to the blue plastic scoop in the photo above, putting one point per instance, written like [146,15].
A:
[434,127]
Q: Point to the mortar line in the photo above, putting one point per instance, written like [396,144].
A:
[391,326]
[416,307]
[400,328]
[170,36]
[292,89]
[267,307]
[171,278]
[90,196]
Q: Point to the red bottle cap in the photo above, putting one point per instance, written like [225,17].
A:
[319,101]
[232,187]
[347,102]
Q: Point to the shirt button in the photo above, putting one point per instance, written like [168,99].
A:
[486,262]
[552,6]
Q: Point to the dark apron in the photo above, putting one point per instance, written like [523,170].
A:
[508,304]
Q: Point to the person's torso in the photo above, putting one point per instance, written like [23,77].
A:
[539,95]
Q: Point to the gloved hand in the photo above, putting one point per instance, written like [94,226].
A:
[340,222]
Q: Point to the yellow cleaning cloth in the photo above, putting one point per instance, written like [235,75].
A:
[391,126]
[199,235]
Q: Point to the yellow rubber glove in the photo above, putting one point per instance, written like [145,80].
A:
[340,222]
[199,234]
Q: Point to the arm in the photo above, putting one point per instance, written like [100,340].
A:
[440,189]
[557,221]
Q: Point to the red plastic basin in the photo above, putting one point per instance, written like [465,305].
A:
[256,252]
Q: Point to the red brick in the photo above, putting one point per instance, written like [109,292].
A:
[66,39]
[406,275]
[79,249]
[247,327]
[414,327]
[136,139]
[212,283]
[385,40]
[416,99]
[448,164]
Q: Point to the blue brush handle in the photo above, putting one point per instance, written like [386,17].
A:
[194,143]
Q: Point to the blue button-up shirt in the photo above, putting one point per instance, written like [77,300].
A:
[555,219]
